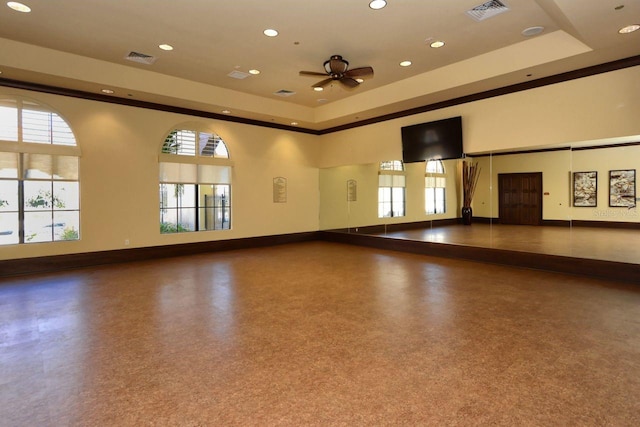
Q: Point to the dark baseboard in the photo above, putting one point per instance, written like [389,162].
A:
[598,224]
[561,264]
[388,228]
[422,224]
[14,267]
[556,223]
[606,224]
[570,223]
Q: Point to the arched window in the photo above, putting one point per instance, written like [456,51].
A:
[434,187]
[195,182]
[39,175]
[392,165]
[186,142]
[391,193]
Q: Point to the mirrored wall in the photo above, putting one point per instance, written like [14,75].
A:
[577,200]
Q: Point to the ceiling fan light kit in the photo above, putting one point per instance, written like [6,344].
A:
[336,65]
[337,69]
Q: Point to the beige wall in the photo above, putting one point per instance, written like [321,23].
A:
[592,108]
[602,161]
[557,183]
[119,177]
[598,107]
[337,212]
[119,166]
[555,167]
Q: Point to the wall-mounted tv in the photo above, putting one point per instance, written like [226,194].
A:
[441,139]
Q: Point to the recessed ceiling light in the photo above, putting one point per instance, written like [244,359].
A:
[19,7]
[437,44]
[165,47]
[107,91]
[270,32]
[318,88]
[405,63]
[294,123]
[629,29]
[377,4]
[254,72]
[532,31]
[322,100]
[226,112]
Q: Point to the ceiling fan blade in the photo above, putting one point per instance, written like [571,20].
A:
[312,73]
[360,72]
[324,82]
[349,82]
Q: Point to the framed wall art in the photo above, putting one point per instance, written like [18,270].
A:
[622,188]
[585,189]
[352,190]
[279,189]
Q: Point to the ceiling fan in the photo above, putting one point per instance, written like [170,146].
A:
[338,70]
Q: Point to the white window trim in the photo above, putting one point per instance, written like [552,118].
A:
[36,148]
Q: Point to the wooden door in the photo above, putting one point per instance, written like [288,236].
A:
[520,198]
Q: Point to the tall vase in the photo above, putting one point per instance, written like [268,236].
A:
[467,213]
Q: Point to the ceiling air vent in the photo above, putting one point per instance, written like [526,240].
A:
[487,10]
[284,93]
[140,58]
[238,75]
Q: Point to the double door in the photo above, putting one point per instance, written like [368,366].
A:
[520,198]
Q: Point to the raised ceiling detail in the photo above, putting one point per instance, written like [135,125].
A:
[84,51]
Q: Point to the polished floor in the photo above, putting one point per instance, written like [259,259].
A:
[319,334]
[608,244]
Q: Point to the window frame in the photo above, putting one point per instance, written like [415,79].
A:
[197,166]
[389,206]
[61,142]
[439,193]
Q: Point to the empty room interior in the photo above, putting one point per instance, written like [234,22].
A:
[343,213]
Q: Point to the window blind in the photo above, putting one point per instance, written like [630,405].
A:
[45,128]
[8,120]
[391,180]
[187,173]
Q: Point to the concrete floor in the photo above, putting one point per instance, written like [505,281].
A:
[320,334]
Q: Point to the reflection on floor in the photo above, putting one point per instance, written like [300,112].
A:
[317,334]
[606,244]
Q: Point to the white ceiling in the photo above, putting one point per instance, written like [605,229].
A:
[81,44]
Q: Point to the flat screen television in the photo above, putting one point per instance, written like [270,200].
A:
[441,140]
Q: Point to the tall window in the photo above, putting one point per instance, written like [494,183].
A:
[195,182]
[39,179]
[391,194]
[434,187]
